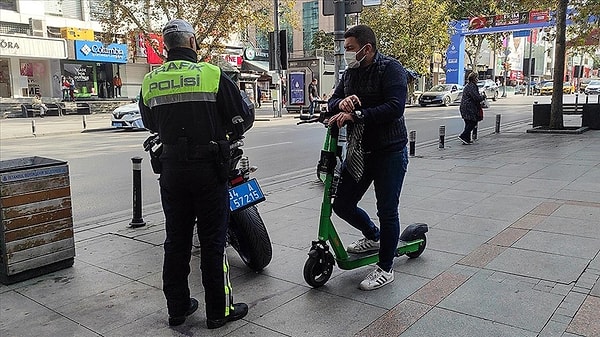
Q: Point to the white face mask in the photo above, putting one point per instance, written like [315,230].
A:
[350,57]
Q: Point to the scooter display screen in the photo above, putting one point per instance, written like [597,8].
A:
[245,195]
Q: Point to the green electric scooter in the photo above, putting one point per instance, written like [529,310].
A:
[321,259]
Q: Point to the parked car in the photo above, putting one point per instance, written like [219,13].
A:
[444,94]
[593,88]
[127,117]
[488,88]
[568,88]
[546,88]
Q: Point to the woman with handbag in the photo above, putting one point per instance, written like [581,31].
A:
[471,107]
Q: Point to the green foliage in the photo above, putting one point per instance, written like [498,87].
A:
[322,40]
[215,20]
[409,30]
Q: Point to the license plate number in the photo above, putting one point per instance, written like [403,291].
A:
[245,195]
[116,124]
[426,100]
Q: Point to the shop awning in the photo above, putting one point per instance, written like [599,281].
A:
[256,66]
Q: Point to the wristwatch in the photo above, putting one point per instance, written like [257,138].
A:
[359,114]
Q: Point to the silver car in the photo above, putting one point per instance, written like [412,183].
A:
[444,94]
[593,88]
[488,88]
[127,117]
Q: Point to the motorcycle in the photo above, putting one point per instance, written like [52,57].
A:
[246,233]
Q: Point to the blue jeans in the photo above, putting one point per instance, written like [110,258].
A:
[386,171]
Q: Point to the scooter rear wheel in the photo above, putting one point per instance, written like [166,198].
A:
[317,271]
[249,237]
[422,245]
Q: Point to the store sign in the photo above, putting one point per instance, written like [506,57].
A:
[98,52]
[31,46]
[252,54]
[234,60]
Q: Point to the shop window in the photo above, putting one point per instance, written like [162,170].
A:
[83,76]
[32,74]
[10,5]
[4,78]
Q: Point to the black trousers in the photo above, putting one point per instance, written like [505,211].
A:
[190,191]
[469,126]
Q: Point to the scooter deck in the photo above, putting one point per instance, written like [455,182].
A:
[363,259]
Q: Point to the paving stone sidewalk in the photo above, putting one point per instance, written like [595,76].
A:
[513,250]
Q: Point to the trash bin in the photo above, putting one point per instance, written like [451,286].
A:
[36,233]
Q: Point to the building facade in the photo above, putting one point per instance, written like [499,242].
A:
[43,43]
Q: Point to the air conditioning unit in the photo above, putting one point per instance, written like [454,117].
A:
[37,27]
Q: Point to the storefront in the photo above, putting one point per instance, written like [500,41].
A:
[30,65]
[94,68]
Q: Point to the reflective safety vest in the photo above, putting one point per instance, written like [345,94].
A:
[181,81]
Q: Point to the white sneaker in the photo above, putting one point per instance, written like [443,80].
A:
[377,279]
[362,246]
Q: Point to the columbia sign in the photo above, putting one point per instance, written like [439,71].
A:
[96,51]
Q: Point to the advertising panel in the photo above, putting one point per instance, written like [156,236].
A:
[297,88]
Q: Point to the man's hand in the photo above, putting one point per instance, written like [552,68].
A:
[349,103]
[340,119]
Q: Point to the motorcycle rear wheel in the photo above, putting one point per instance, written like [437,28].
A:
[249,237]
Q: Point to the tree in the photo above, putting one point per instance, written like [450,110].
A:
[556,115]
[215,21]
[466,9]
[322,40]
[409,30]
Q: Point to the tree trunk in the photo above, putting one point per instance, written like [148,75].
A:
[556,115]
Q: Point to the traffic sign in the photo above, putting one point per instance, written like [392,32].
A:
[352,6]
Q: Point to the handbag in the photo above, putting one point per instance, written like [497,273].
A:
[480,114]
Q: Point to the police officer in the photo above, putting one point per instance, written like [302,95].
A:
[193,107]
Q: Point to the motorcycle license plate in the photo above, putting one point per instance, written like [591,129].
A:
[245,195]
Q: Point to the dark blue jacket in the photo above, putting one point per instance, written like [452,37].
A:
[381,88]
[470,102]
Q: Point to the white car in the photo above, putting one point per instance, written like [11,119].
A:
[127,117]
[593,88]
[444,94]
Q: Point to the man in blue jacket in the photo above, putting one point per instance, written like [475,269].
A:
[370,98]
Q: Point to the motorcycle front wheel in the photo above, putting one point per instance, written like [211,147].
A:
[248,236]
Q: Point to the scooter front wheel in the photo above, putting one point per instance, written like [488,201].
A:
[317,270]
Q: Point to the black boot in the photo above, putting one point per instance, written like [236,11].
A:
[240,310]
[178,320]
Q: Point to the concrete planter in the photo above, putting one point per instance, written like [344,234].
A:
[591,116]
[541,115]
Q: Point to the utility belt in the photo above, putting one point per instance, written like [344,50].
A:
[185,152]
[217,151]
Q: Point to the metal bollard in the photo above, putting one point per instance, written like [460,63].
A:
[412,137]
[84,122]
[33,127]
[137,220]
[442,132]
[474,134]
[498,116]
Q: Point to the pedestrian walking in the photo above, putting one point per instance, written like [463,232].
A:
[117,84]
[193,121]
[258,95]
[64,82]
[36,102]
[313,96]
[470,108]
[71,88]
[370,97]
